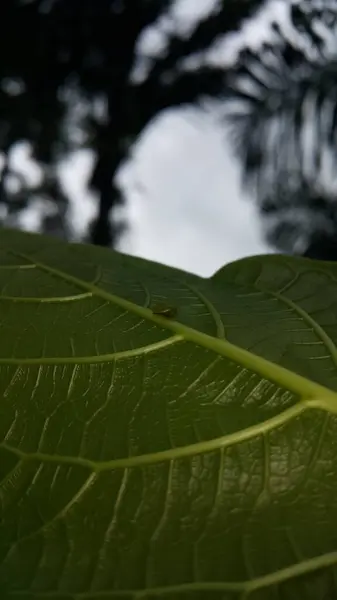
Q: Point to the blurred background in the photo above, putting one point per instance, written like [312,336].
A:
[190,132]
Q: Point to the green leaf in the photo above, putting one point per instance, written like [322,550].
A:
[146,457]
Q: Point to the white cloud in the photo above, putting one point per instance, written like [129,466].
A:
[185,205]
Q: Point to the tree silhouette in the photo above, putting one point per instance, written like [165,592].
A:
[54,51]
[283,119]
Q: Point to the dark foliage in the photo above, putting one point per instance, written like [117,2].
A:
[284,122]
[51,48]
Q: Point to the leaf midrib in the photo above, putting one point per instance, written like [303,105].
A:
[295,383]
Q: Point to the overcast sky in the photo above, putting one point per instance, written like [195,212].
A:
[184,203]
[190,211]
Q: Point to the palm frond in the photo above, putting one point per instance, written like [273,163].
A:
[282,116]
[228,17]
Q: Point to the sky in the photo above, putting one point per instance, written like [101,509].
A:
[190,211]
[185,205]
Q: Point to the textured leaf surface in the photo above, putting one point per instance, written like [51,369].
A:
[145,457]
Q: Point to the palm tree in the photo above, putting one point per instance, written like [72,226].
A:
[283,121]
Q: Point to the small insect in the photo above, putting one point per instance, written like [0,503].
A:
[164,310]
